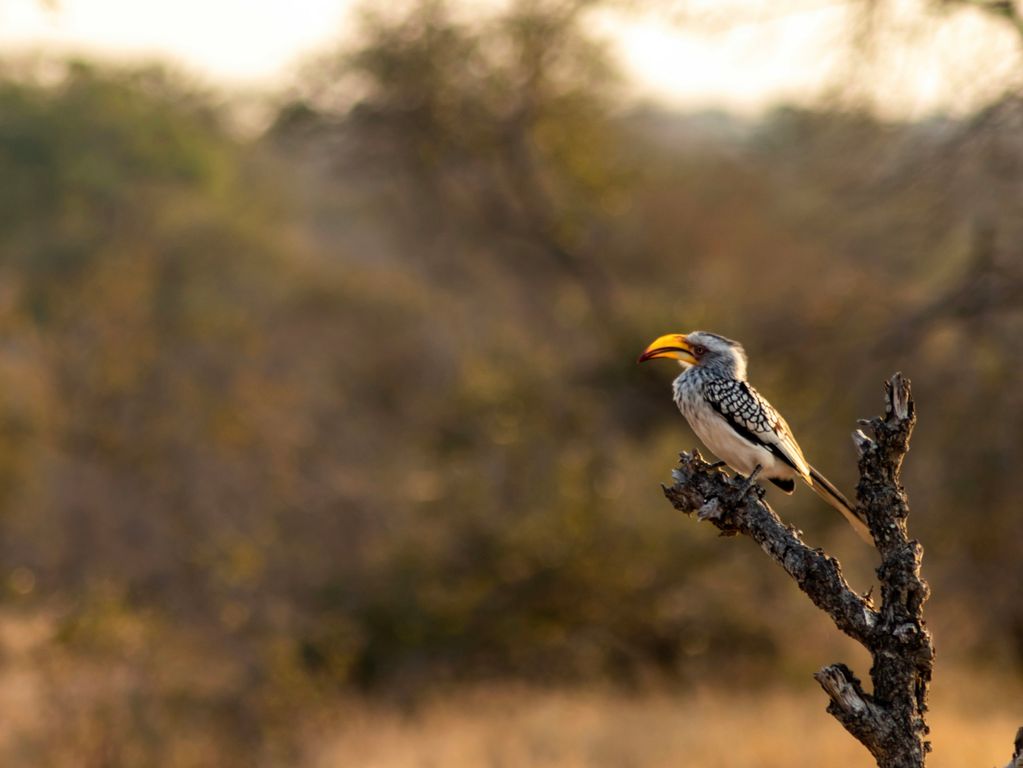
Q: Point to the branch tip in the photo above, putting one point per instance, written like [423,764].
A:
[861,441]
[843,689]
[899,396]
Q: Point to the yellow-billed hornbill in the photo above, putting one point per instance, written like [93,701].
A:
[735,421]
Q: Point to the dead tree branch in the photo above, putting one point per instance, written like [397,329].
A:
[890,720]
[1017,755]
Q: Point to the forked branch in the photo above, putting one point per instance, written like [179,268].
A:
[890,720]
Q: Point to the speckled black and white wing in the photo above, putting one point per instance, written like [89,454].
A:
[755,419]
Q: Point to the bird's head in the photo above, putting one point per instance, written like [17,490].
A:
[699,348]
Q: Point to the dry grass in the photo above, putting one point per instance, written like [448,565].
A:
[59,711]
[973,721]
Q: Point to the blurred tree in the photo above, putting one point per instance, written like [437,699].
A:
[494,130]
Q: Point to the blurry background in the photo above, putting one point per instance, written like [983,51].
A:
[321,436]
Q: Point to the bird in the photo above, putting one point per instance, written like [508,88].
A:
[738,423]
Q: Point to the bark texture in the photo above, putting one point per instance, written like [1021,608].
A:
[890,720]
[1017,755]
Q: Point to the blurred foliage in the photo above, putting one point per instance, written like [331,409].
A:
[352,404]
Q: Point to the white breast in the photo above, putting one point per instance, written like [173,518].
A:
[731,447]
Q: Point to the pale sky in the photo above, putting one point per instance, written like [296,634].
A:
[785,50]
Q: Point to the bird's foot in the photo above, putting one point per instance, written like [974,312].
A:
[717,465]
[751,482]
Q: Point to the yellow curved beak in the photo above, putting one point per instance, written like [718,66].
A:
[673,345]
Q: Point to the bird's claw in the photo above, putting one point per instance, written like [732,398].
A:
[751,482]
[717,465]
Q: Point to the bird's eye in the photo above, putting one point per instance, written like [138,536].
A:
[699,350]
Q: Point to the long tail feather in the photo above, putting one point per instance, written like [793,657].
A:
[824,488]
